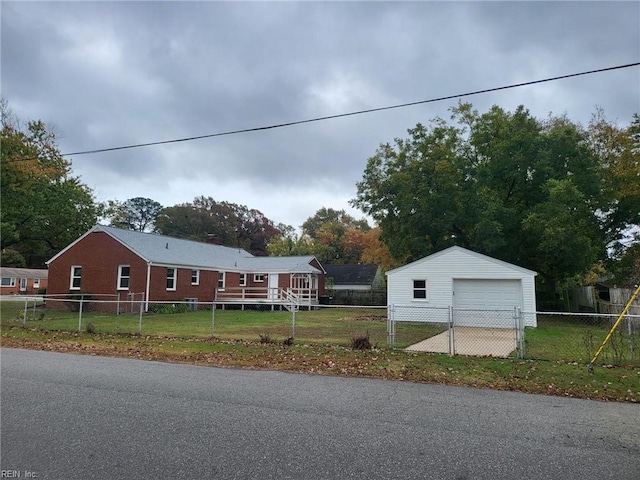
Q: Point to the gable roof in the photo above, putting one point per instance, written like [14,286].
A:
[456,248]
[170,251]
[14,272]
[352,274]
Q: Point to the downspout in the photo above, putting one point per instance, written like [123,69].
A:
[146,295]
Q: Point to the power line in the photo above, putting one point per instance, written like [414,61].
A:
[359,112]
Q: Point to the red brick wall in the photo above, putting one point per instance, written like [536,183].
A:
[100,255]
[31,290]
[204,291]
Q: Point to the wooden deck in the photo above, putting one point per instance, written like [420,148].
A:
[275,296]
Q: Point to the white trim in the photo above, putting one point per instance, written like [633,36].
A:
[242,282]
[36,283]
[148,287]
[222,278]
[174,277]
[470,252]
[121,277]
[12,282]
[72,277]
[255,277]
[70,245]
[197,275]
[23,284]
[415,289]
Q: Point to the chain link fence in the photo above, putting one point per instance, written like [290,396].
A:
[564,337]
[575,337]
[498,333]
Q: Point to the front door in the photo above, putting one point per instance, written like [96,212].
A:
[273,286]
[23,284]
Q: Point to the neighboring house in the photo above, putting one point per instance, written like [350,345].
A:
[355,285]
[22,281]
[354,277]
[467,281]
[112,261]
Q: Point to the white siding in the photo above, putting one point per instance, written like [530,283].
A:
[442,268]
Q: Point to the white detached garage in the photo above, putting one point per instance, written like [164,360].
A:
[469,282]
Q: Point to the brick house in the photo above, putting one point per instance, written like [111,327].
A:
[22,281]
[114,262]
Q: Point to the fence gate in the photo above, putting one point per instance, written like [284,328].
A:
[495,333]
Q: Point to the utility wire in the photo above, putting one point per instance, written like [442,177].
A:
[359,112]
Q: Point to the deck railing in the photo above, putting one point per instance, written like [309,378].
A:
[303,296]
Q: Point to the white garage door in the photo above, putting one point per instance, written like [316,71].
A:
[477,302]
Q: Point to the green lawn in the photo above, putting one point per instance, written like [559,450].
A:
[334,326]
[578,342]
[555,339]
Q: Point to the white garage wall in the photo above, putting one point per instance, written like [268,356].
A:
[440,270]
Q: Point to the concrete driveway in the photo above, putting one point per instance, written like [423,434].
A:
[484,342]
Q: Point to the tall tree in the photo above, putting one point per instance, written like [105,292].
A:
[44,207]
[324,216]
[137,213]
[290,243]
[235,225]
[618,151]
[502,183]
[333,236]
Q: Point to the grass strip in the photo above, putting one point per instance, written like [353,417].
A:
[567,379]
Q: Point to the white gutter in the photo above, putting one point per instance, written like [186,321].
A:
[146,296]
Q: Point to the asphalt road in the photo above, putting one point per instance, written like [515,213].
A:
[82,417]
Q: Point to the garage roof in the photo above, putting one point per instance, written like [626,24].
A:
[468,252]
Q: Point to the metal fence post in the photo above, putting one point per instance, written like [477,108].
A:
[632,352]
[519,323]
[452,344]
[26,305]
[80,314]
[390,327]
[293,321]
[140,321]
[213,319]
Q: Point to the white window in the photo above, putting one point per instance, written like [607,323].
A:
[124,274]
[221,278]
[171,278]
[258,277]
[195,277]
[8,282]
[76,277]
[243,279]
[36,283]
[420,290]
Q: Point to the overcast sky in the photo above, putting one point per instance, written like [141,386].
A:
[108,74]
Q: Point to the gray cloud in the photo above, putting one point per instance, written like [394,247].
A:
[117,73]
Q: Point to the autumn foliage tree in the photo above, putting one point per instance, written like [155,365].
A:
[334,237]
[235,225]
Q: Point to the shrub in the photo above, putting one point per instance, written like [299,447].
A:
[361,342]
[91,328]
[74,300]
[170,308]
